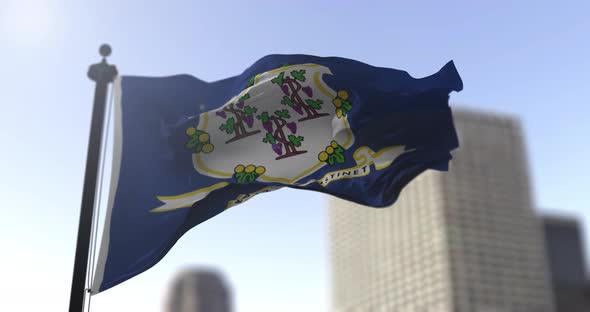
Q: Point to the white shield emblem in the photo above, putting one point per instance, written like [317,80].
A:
[284,126]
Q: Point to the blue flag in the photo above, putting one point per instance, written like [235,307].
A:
[186,150]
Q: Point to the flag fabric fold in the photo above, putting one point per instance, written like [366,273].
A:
[186,150]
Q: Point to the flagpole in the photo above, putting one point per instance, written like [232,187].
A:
[103,74]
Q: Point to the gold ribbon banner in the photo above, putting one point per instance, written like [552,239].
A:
[364,157]
[186,200]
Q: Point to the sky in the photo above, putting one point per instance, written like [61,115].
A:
[527,58]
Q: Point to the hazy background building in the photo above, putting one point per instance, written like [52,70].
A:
[467,240]
[567,265]
[199,290]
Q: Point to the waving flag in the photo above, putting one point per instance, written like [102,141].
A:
[186,150]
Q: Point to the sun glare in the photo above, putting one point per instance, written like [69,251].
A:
[31,22]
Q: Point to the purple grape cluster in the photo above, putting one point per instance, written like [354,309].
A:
[298,109]
[249,121]
[285,89]
[278,148]
[267,126]
[292,127]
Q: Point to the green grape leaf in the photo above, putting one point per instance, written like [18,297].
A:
[317,104]
[249,111]
[331,160]
[192,142]
[263,117]
[287,101]
[283,114]
[242,178]
[250,177]
[346,105]
[299,74]
[244,97]
[269,138]
[228,126]
[251,82]
[279,79]
[296,140]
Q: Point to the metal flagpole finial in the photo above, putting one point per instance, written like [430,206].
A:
[103,72]
[105,50]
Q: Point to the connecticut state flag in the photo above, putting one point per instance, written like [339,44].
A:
[186,150]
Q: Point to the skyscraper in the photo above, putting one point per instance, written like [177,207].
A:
[199,291]
[567,264]
[467,240]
